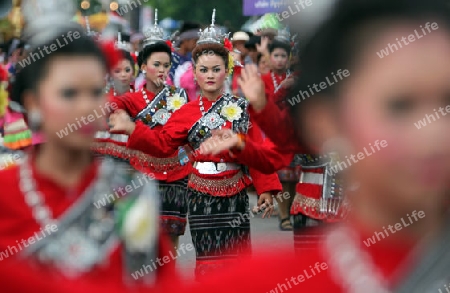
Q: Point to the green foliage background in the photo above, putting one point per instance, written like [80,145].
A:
[228,12]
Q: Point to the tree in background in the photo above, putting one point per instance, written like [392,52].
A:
[228,12]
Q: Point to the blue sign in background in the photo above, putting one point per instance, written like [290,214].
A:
[260,7]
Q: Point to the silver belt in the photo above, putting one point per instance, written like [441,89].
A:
[208,168]
[115,137]
[311,178]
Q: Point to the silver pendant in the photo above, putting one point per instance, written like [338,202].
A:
[213,120]
[221,167]
[161,116]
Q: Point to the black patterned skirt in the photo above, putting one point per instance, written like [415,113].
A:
[220,229]
[174,206]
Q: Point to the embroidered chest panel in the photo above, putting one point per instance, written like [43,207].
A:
[227,108]
[87,233]
[166,102]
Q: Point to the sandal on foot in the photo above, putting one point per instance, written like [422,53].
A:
[285,224]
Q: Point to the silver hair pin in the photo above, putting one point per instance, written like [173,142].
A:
[211,34]
[154,34]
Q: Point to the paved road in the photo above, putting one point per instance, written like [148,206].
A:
[265,234]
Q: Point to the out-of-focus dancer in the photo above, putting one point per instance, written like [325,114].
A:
[66,217]
[120,82]
[277,82]
[318,195]
[123,74]
[396,238]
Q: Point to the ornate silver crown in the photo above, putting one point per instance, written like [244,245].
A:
[121,45]
[46,19]
[211,34]
[154,34]
[283,36]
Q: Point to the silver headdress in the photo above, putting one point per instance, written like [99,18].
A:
[211,34]
[46,19]
[154,34]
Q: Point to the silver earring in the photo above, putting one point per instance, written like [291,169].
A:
[144,71]
[34,120]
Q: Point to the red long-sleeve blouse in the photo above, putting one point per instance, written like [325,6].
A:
[18,223]
[278,142]
[254,155]
[269,86]
[162,167]
[175,134]
[278,125]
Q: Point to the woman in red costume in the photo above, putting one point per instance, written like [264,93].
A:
[127,70]
[64,215]
[114,145]
[318,192]
[153,106]
[397,236]
[277,82]
[218,202]
[120,83]
[123,75]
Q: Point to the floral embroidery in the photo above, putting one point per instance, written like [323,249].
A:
[175,102]
[161,116]
[231,111]
[228,108]
[160,110]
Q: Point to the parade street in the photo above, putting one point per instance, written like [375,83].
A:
[265,235]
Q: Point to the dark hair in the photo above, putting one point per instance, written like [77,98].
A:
[205,49]
[251,43]
[338,42]
[153,48]
[282,45]
[127,55]
[32,70]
